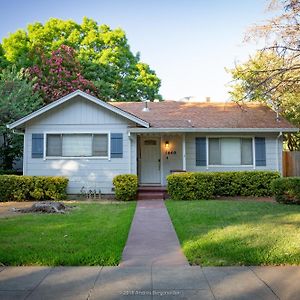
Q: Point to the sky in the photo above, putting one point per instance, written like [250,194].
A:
[188,42]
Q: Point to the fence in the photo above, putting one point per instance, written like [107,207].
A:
[291,163]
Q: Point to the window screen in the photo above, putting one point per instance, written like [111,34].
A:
[54,145]
[246,151]
[100,145]
[214,151]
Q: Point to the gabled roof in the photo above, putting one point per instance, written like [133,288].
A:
[203,116]
[69,97]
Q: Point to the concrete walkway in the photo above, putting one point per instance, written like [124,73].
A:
[152,240]
[150,283]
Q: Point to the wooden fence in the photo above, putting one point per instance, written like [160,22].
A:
[291,163]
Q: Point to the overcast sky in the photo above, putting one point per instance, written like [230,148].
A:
[188,43]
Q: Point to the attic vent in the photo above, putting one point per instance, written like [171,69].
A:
[146,108]
[207,99]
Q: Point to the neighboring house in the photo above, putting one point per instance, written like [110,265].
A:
[91,141]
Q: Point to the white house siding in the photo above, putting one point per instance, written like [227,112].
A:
[273,157]
[171,161]
[133,157]
[80,115]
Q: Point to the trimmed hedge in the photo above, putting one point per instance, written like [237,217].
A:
[287,190]
[36,188]
[206,185]
[126,187]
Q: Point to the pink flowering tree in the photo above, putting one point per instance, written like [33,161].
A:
[59,75]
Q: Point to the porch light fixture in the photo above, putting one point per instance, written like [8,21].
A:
[167,145]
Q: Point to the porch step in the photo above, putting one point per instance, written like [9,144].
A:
[151,193]
[150,196]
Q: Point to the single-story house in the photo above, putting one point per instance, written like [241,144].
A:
[91,141]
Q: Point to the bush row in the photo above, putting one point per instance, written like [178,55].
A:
[206,185]
[126,187]
[20,188]
[287,190]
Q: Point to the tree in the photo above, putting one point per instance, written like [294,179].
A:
[3,61]
[17,99]
[103,53]
[59,75]
[272,76]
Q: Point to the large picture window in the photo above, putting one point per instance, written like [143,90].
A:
[77,145]
[230,151]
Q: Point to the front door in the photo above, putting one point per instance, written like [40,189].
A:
[150,161]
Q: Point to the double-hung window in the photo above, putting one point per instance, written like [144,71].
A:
[230,151]
[77,145]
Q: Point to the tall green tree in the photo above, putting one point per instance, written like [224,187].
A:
[104,54]
[17,99]
[272,75]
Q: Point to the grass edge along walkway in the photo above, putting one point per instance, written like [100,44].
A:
[223,233]
[90,234]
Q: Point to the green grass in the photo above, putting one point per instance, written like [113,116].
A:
[90,234]
[217,233]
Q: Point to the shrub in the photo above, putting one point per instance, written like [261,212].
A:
[126,186]
[181,186]
[190,186]
[205,185]
[287,190]
[20,188]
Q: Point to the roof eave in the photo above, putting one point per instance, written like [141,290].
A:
[193,129]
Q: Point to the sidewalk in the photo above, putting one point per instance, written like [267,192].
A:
[150,283]
[152,238]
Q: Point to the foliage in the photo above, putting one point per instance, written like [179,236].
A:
[199,186]
[126,186]
[3,61]
[59,75]
[287,190]
[104,54]
[272,76]
[218,233]
[17,99]
[91,234]
[190,186]
[10,172]
[22,188]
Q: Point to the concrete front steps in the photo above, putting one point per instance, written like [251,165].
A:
[152,193]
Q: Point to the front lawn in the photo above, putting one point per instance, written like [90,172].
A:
[90,234]
[217,233]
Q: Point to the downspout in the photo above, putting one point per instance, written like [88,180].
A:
[277,151]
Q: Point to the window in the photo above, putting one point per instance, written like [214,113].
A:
[230,151]
[77,145]
[150,142]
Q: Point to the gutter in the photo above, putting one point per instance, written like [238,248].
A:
[192,129]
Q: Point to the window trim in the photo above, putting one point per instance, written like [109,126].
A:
[231,166]
[77,157]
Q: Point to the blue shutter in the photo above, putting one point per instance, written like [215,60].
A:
[116,145]
[201,151]
[37,146]
[260,151]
